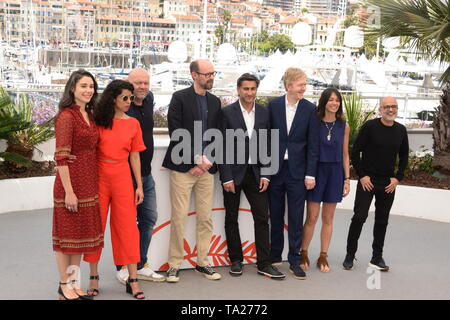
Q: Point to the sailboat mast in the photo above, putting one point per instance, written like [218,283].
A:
[205,14]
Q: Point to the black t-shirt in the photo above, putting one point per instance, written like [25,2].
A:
[202,105]
[380,145]
[144,114]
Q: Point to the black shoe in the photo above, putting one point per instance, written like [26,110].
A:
[348,262]
[62,296]
[208,272]
[82,297]
[93,292]
[378,263]
[298,272]
[236,268]
[272,272]
[173,275]
[138,295]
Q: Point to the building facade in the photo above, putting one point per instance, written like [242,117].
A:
[322,7]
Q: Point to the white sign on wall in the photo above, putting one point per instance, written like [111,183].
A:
[218,253]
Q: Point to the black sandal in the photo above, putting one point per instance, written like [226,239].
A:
[62,296]
[84,296]
[130,290]
[91,292]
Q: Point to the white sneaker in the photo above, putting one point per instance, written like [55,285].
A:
[149,275]
[122,275]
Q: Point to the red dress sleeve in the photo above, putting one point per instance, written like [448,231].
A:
[64,132]
[137,144]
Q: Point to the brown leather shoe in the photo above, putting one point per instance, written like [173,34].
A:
[322,262]
[304,261]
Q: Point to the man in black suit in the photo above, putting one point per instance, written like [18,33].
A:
[245,120]
[192,111]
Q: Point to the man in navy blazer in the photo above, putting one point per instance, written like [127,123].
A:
[297,122]
[244,123]
[191,171]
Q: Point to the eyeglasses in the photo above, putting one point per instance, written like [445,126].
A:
[207,75]
[393,107]
[125,98]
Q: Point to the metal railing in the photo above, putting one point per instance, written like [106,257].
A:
[404,98]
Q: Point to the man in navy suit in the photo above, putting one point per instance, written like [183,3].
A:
[297,122]
[246,121]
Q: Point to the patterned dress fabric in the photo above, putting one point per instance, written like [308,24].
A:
[77,232]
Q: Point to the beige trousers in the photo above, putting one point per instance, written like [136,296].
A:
[181,186]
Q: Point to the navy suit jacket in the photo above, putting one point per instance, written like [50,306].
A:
[232,118]
[181,115]
[302,141]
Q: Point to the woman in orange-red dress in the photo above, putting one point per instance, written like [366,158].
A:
[119,146]
[76,217]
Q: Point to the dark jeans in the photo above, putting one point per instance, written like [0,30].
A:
[259,207]
[146,218]
[383,204]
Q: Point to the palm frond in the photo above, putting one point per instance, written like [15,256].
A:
[17,128]
[11,125]
[422,24]
[356,114]
[16,158]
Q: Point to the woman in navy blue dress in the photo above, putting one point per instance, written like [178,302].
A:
[332,177]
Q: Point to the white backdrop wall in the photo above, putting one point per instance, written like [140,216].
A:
[36,193]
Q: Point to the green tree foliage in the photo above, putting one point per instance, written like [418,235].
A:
[222,29]
[275,42]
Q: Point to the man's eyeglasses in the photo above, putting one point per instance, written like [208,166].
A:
[125,98]
[207,75]
[394,107]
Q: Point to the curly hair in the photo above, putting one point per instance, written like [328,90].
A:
[104,110]
[323,100]
[68,98]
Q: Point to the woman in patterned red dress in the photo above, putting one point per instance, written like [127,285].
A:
[76,218]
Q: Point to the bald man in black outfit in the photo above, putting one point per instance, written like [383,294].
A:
[374,156]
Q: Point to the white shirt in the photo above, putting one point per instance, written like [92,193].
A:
[249,118]
[291,109]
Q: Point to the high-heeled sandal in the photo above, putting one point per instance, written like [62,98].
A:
[84,296]
[304,260]
[130,290]
[92,291]
[62,296]
[322,261]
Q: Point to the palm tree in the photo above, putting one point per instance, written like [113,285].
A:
[356,114]
[10,123]
[425,26]
[22,135]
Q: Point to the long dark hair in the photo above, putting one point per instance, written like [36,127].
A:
[68,98]
[104,110]
[323,100]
